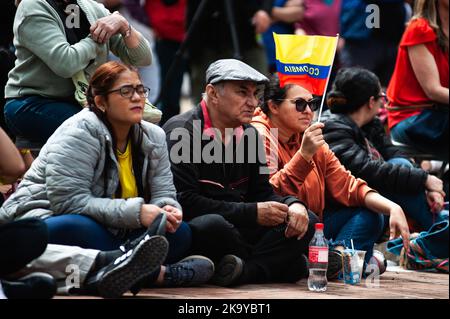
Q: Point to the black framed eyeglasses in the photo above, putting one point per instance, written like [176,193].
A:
[300,104]
[383,96]
[127,91]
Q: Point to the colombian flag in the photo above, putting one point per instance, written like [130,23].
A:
[305,60]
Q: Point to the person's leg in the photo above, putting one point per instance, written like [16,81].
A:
[408,132]
[214,237]
[256,58]
[273,255]
[62,261]
[109,274]
[398,132]
[198,65]
[36,118]
[82,231]
[179,243]
[21,242]
[386,60]
[359,53]
[170,101]
[415,206]
[362,226]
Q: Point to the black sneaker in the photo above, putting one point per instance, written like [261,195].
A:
[37,285]
[114,280]
[334,264]
[157,228]
[191,271]
[228,271]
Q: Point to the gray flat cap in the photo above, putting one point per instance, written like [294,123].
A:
[232,70]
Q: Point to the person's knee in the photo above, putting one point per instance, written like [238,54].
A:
[184,233]
[180,243]
[211,224]
[400,161]
[36,233]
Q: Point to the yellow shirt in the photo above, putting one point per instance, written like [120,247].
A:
[126,174]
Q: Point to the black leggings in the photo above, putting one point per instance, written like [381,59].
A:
[21,242]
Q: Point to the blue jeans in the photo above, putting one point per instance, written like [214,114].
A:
[415,206]
[438,148]
[359,224]
[83,231]
[37,118]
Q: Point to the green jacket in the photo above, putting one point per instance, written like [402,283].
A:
[46,62]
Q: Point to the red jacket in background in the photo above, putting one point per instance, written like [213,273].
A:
[168,21]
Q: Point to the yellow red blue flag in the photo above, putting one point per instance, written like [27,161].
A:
[305,60]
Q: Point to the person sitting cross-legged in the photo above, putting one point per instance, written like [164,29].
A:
[104,177]
[220,174]
[302,165]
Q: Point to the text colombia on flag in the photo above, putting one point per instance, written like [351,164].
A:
[304,60]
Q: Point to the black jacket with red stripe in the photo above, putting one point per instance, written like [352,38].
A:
[228,188]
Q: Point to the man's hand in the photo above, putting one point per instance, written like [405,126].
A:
[298,221]
[435,201]
[434,184]
[271,213]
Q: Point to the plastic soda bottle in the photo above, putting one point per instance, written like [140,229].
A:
[318,260]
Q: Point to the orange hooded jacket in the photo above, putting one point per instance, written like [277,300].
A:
[315,182]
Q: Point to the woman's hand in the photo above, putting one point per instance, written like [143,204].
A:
[174,218]
[148,214]
[104,28]
[312,141]
[398,225]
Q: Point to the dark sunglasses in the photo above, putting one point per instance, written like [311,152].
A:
[300,104]
[127,91]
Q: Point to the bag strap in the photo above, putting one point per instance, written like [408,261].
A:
[70,34]
[409,107]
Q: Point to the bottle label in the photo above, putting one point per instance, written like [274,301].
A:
[318,254]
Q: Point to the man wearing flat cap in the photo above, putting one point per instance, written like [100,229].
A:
[220,172]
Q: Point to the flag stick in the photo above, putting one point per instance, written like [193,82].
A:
[328,79]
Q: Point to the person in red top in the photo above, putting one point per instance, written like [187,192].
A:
[167,19]
[419,89]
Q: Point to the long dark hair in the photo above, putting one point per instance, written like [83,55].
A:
[352,88]
[101,82]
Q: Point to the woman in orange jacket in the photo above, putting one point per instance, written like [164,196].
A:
[301,164]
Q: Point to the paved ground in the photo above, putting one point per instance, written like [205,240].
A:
[399,284]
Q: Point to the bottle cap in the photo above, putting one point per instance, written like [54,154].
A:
[319,226]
